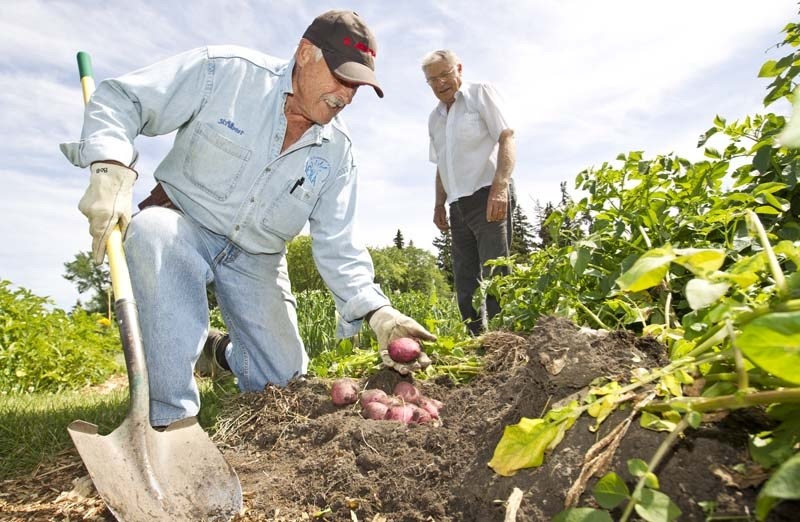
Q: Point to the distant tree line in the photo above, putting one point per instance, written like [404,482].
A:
[398,268]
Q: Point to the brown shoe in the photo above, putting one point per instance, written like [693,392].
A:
[212,362]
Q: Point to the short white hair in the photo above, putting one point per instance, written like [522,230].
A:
[442,55]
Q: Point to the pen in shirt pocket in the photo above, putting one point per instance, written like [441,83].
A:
[297,184]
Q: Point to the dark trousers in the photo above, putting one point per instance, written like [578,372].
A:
[475,241]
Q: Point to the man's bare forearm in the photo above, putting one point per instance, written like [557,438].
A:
[506,159]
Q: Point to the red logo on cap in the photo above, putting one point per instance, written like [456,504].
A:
[361,46]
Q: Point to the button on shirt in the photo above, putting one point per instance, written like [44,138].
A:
[226,169]
[464,140]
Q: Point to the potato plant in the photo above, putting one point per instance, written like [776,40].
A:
[704,257]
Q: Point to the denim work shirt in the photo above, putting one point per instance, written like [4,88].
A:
[464,140]
[226,169]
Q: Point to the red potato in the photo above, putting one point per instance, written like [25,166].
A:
[404,414]
[421,416]
[344,392]
[431,406]
[373,395]
[407,391]
[374,411]
[404,349]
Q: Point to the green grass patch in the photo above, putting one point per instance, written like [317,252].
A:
[33,427]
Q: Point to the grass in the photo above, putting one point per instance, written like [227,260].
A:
[33,427]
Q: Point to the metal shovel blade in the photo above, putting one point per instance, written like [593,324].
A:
[146,475]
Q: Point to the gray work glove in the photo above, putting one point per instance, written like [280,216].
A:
[389,324]
[106,202]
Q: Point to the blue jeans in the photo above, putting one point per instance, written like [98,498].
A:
[172,260]
[475,241]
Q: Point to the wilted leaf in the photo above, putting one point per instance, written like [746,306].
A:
[701,293]
[649,421]
[700,260]
[522,446]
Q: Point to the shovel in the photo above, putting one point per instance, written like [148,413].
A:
[143,474]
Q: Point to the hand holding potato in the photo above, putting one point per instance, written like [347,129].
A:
[389,324]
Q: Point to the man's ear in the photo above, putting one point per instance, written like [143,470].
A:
[304,53]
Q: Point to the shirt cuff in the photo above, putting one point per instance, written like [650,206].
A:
[85,152]
[354,310]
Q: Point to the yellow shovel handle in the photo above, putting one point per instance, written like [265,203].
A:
[120,278]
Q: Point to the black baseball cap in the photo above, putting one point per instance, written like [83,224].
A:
[348,46]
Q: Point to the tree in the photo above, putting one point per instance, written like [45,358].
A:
[398,240]
[302,270]
[444,259]
[522,233]
[406,270]
[92,278]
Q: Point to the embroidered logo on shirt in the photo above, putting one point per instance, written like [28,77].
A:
[316,166]
[232,126]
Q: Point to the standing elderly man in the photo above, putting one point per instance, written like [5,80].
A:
[472,145]
[260,150]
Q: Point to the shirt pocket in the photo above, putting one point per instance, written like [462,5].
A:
[472,126]
[214,163]
[289,213]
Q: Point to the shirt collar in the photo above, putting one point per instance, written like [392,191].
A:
[442,108]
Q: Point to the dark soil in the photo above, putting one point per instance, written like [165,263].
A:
[301,458]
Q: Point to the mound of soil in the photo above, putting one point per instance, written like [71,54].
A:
[301,458]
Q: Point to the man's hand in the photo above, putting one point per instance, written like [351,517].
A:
[107,202]
[440,218]
[497,205]
[389,324]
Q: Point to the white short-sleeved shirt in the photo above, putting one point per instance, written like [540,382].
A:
[464,140]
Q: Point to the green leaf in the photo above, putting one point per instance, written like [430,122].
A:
[701,293]
[522,446]
[705,136]
[637,467]
[650,480]
[583,515]
[648,271]
[770,69]
[610,491]
[694,418]
[655,506]
[772,342]
[761,161]
[784,484]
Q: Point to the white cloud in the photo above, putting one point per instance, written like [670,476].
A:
[585,80]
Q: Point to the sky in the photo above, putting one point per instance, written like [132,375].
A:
[584,81]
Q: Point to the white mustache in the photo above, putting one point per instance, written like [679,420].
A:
[334,102]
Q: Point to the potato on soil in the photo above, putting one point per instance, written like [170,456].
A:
[404,349]
[404,414]
[432,406]
[344,392]
[373,395]
[407,391]
[374,411]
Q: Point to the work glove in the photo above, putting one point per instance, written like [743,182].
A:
[389,324]
[107,202]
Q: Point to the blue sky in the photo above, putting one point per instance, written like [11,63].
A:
[585,80]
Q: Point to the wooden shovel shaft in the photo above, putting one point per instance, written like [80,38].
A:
[124,305]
